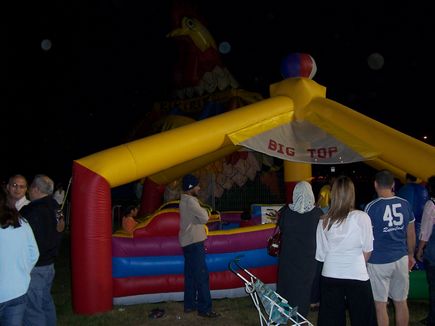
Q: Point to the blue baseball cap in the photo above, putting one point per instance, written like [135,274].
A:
[189,182]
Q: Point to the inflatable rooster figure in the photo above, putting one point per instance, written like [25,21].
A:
[200,69]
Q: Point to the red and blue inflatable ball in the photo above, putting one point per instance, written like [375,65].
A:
[298,65]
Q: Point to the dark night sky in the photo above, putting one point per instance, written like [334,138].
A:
[110,61]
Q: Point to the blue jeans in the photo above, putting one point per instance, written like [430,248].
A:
[12,311]
[40,309]
[196,279]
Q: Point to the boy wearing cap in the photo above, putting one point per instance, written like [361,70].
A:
[192,235]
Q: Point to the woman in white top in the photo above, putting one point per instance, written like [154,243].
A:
[18,255]
[344,244]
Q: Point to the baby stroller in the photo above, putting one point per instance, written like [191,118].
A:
[272,308]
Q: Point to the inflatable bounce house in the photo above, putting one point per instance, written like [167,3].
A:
[297,124]
[147,266]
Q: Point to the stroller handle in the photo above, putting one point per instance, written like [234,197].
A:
[235,262]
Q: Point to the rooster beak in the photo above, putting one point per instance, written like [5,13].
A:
[196,31]
[178,32]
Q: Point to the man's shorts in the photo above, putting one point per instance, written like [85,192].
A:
[390,280]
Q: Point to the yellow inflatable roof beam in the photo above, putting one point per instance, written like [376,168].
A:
[379,164]
[241,135]
[141,158]
[175,172]
[394,147]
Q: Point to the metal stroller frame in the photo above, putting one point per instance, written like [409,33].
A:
[272,308]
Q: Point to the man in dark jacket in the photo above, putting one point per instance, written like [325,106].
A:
[42,217]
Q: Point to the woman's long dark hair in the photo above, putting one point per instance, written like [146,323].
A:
[342,200]
[8,216]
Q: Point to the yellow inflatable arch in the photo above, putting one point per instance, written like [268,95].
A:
[296,105]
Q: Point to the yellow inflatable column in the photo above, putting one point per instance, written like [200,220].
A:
[301,91]
[293,173]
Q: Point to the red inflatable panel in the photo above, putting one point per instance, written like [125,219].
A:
[169,245]
[175,283]
[165,223]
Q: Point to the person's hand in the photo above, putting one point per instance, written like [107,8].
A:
[411,262]
[60,227]
[419,254]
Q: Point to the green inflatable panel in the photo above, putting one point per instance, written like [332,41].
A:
[418,287]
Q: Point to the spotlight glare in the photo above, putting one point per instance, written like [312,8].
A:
[46,44]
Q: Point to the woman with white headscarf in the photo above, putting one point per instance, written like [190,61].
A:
[297,263]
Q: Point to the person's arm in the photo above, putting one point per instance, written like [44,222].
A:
[420,250]
[426,224]
[321,243]
[33,247]
[425,231]
[410,239]
[200,213]
[365,223]
[367,255]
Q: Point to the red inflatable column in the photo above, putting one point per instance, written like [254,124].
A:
[91,242]
[293,173]
[152,197]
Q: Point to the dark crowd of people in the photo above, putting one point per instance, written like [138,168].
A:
[355,261]
[335,258]
[345,262]
[31,230]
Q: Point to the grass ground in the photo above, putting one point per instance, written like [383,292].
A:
[240,311]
